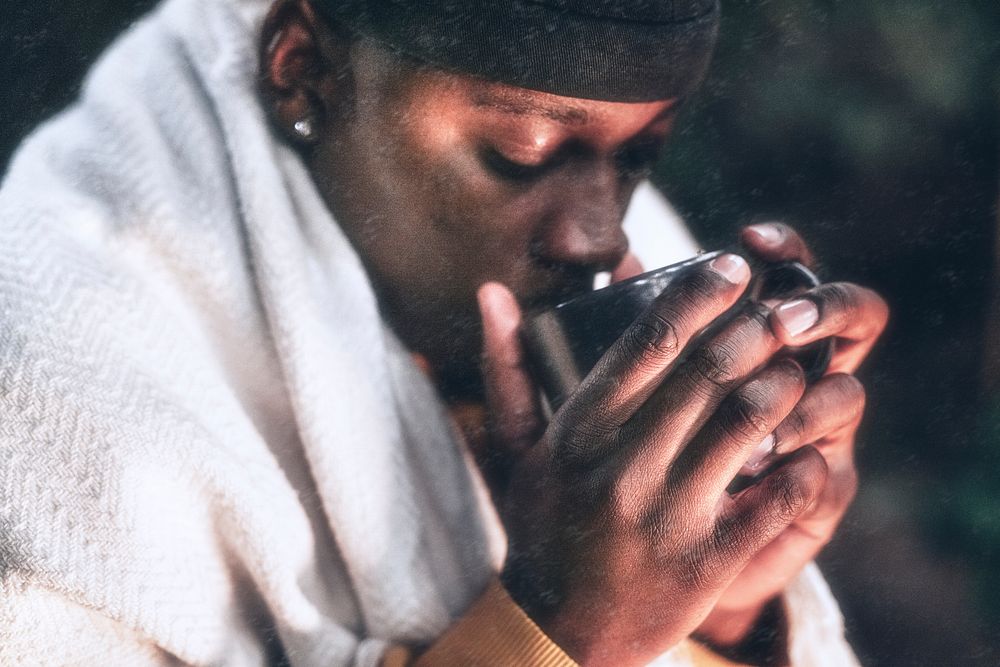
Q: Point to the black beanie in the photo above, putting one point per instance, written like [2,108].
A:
[613,50]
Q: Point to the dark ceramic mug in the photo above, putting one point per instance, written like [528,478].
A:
[564,342]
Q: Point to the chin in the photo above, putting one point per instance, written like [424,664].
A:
[455,360]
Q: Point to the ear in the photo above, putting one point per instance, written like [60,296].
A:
[302,65]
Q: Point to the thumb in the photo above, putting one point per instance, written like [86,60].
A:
[777,242]
[515,411]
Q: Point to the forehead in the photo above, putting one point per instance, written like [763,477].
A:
[569,111]
[411,89]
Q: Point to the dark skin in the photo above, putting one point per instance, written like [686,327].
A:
[468,200]
[495,183]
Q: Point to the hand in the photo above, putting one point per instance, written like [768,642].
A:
[827,417]
[621,533]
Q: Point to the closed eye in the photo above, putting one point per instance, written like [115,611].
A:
[508,169]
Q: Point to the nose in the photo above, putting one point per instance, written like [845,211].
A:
[583,227]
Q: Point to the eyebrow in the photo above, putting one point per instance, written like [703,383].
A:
[522,105]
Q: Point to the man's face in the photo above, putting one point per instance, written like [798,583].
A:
[443,182]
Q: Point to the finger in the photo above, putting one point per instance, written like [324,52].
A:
[629,267]
[691,394]
[776,242]
[761,512]
[831,408]
[743,424]
[843,310]
[856,316]
[634,366]
[827,417]
[516,417]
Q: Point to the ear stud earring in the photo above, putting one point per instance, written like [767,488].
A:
[304,128]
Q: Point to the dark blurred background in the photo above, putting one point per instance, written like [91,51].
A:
[873,127]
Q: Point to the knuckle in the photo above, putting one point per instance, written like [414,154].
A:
[572,448]
[795,373]
[715,364]
[757,314]
[751,327]
[561,427]
[793,496]
[797,424]
[654,336]
[570,457]
[748,414]
[574,442]
[626,503]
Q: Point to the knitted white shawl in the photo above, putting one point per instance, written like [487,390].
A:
[210,445]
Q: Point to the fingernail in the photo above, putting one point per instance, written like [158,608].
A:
[768,234]
[797,316]
[764,449]
[499,310]
[731,267]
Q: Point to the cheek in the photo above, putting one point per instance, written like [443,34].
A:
[472,208]
[443,204]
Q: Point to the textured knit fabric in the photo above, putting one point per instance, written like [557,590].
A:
[212,451]
[621,50]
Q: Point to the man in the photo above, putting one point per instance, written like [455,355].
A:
[229,272]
